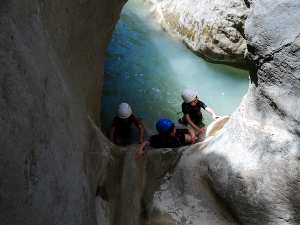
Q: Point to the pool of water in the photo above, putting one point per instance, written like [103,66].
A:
[149,69]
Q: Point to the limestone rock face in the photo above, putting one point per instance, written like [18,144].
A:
[130,184]
[184,196]
[213,29]
[52,154]
[254,164]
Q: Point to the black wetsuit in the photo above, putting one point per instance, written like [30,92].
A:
[161,141]
[193,111]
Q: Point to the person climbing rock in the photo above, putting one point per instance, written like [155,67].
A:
[121,132]
[168,137]
[191,109]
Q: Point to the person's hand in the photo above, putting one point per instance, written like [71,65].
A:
[193,139]
[139,154]
[201,131]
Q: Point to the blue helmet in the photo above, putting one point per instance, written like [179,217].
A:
[165,126]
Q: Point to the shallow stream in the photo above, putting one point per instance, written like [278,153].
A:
[148,69]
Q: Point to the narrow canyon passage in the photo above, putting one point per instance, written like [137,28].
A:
[148,69]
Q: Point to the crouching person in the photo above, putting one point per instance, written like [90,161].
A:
[191,108]
[121,133]
[168,137]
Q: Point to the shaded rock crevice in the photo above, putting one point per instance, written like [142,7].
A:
[130,184]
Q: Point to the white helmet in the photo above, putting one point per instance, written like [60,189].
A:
[124,110]
[188,95]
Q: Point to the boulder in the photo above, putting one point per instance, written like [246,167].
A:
[213,29]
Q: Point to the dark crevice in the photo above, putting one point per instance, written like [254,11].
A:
[247,3]
[273,105]
[256,61]
[225,205]
[101,191]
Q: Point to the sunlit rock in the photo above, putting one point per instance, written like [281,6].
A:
[253,165]
[185,196]
[213,29]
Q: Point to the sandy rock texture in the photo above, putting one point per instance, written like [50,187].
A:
[53,155]
[213,29]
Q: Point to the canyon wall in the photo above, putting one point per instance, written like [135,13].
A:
[57,168]
[53,155]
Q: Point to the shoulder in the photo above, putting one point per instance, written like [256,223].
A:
[202,104]
[115,119]
[184,106]
[134,119]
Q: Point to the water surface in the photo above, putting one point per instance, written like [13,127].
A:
[149,69]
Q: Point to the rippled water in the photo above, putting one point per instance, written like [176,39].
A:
[148,69]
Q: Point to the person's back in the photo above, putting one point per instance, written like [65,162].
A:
[167,141]
[121,127]
[168,137]
[191,109]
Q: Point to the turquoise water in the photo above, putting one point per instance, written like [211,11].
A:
[148,69]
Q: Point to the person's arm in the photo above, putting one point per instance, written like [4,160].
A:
[141,128]
[142,131]
[112,133]
[212,113]
[141,150]
[192,135]
[189,120]
[200,131]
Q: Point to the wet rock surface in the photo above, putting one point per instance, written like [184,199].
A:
[213,29]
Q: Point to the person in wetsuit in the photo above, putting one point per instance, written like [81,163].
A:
[191,109]
[168,137]
[121,133]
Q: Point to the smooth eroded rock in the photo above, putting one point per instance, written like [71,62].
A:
[53,156]
[213,29]
[254,164]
